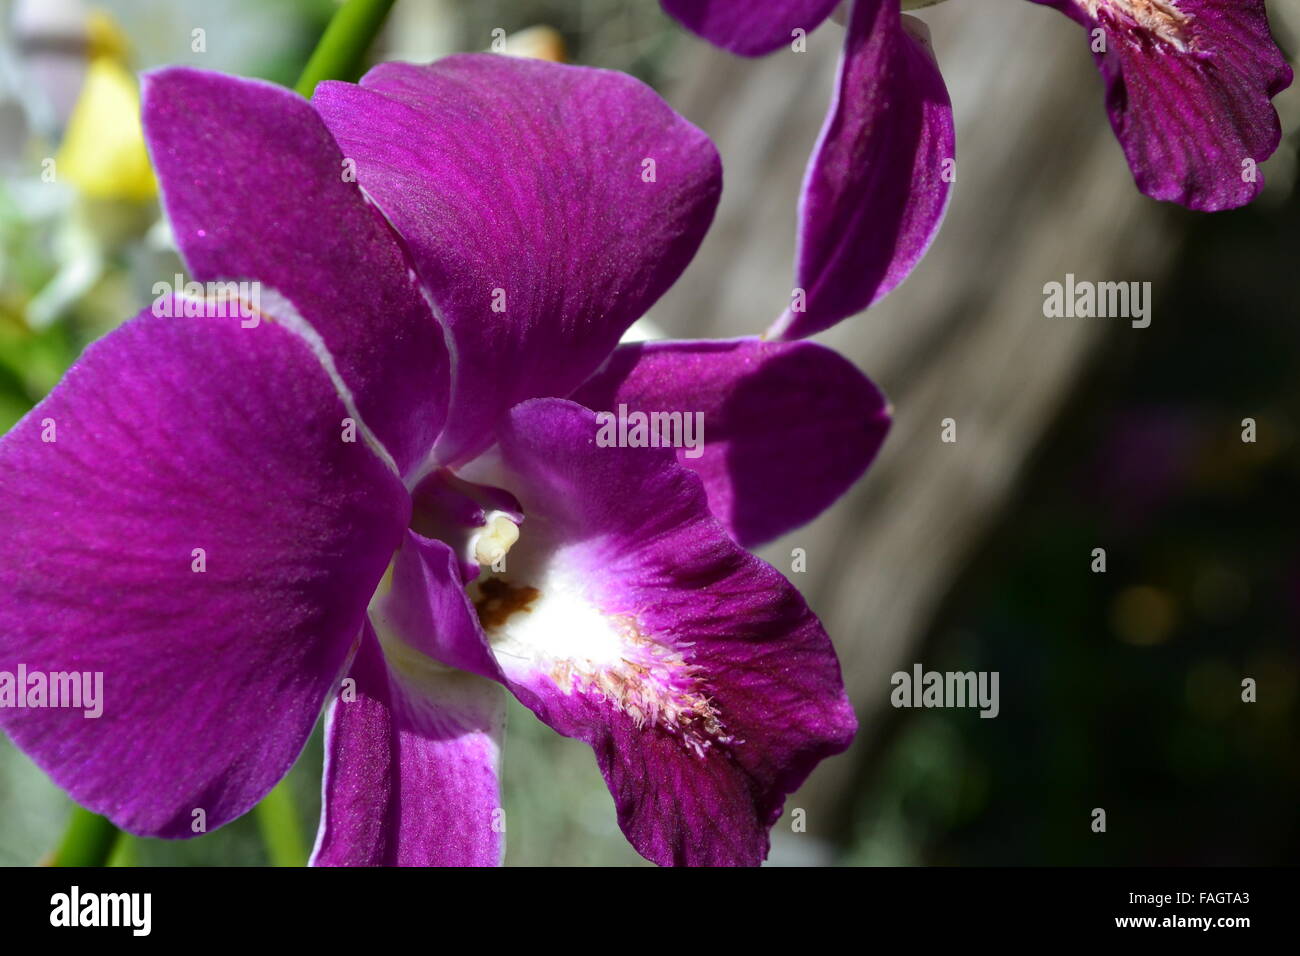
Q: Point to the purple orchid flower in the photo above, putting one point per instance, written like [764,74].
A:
[387,495]
[1189,83]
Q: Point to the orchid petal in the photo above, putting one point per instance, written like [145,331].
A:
[1189,89]
[786,428]
[256,189]
[878,181]
[426,607]
[182,518]
[546,207]
[747,27]
[412,755]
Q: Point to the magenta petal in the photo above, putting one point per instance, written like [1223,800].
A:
[769,463]
[878,182]
[1189,88]
[412,752]
[627,618]
[749,27]
[521,188]
[173,435]
[426,607]
[256,189]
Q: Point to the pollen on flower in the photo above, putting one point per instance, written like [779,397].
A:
[1160,20]
[654,684]
[555,632]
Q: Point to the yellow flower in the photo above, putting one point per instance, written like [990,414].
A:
[103,152]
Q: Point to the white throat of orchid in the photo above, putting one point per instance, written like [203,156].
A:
[549,629]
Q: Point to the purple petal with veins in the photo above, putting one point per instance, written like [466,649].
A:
[787,426]
[198,534]
[256,189]
[1189,89]
[546,208]
[412,756]
[878,181]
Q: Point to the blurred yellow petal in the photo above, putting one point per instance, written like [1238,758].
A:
[105,37]
[103,152]
[537,43]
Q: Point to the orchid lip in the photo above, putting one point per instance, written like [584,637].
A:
[559,631]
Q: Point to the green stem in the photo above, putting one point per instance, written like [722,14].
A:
[277,818]
[88,841]
[341,48]
[124,854]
